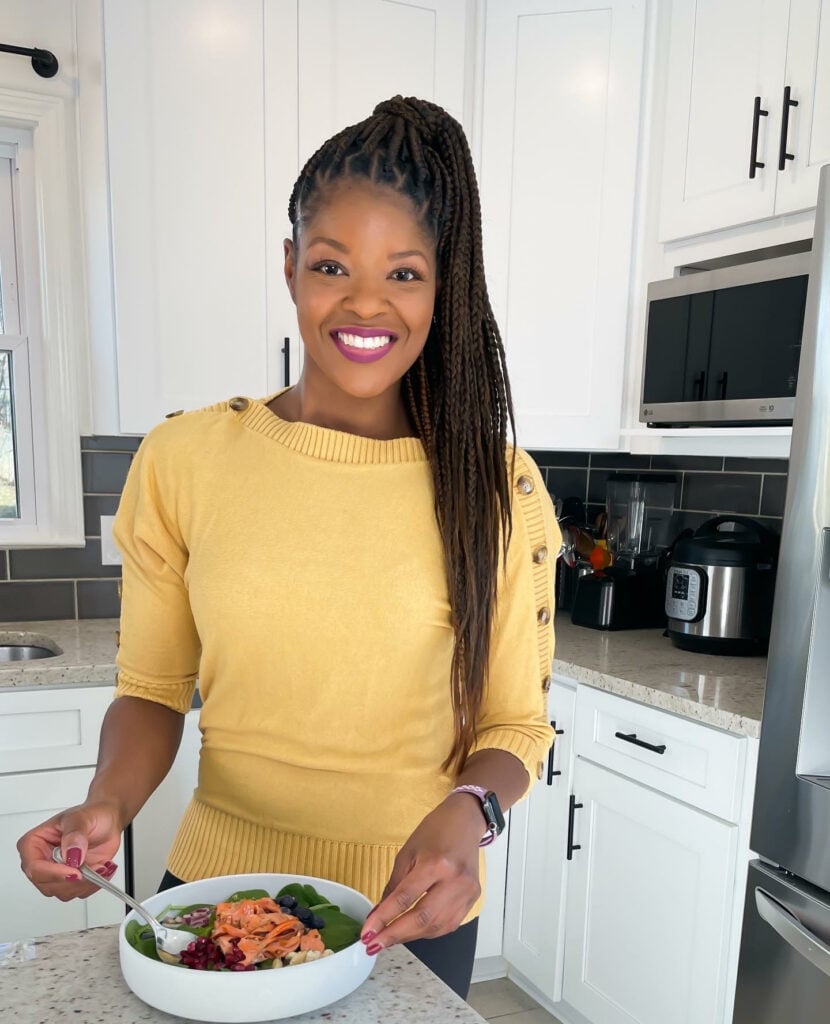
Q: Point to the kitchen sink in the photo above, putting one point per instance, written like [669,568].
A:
[24,652]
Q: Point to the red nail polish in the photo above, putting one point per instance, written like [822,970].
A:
[73,878]
[367,937]
[111,866]
[73,857]
[106,872]
[374,949]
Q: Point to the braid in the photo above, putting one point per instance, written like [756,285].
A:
[457,393]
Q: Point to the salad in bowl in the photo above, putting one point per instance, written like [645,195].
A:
[246,929]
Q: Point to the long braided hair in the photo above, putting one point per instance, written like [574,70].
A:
[457,392]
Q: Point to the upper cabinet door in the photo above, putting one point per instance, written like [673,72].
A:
[722,56]
[562,82]
[330,63]
[808,79]
[355,53]
[185,135]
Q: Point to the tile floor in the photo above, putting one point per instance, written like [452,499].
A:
[502,1002]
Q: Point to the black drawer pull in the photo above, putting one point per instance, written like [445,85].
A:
[551,772]
[783,155]
[757,114]
[632,738]
[572,808]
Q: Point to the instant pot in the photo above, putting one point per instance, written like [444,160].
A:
[720,585]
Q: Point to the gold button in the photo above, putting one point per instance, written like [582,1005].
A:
[546,684]
[524,485]
[170,415]
[540,769]
[239,404]
[540,555]
[119,588]
[543,615]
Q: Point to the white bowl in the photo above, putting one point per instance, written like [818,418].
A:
[229,997]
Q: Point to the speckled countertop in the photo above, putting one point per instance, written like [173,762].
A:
[644,665]
[641,664]
[76,977]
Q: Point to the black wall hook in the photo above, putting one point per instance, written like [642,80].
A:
[44,62]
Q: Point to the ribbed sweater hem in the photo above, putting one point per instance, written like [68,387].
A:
[210,842]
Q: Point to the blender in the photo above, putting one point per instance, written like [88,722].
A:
[630,593]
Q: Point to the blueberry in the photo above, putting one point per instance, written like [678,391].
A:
[304,914]
[288,902]
[317,922]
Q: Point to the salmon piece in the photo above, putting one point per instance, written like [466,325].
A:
[312,940]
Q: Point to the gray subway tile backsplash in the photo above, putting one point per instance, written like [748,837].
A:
[98,599]
[772,496]
[31,601]
[722,492]
[65,583]
[105,472]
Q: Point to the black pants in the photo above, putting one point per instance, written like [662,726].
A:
[448,956]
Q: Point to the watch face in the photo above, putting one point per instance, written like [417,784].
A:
[492,813]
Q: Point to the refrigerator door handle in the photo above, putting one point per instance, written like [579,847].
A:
[793,931]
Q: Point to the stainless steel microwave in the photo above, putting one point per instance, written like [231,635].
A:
[722,346]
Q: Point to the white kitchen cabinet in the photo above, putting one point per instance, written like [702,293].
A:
[534,923]
[561,108]
[49,741]
[727,57]
[154,827]
[650,900]
[490,936]
[210,114]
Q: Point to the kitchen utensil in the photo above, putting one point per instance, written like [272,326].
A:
[719,587]
[170,942]
[232,997]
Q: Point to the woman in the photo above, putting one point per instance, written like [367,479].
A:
[358,569]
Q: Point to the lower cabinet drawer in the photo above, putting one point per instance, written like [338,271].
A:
[690,761]
[42,729]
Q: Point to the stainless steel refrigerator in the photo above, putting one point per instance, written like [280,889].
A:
[784,971]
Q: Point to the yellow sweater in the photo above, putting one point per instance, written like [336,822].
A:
[298,572]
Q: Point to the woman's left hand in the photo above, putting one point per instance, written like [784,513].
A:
[434,880]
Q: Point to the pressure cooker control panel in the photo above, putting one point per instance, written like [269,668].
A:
[685,591]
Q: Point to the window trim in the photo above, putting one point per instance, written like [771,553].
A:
[53,314]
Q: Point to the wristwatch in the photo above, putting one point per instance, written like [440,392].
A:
[493,816]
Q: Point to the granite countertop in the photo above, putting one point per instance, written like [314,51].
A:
[641,664]
[87,655]
[77,977]
[727,692]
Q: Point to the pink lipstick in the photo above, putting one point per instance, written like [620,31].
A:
[363,344]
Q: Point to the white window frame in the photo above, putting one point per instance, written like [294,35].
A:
[52,343]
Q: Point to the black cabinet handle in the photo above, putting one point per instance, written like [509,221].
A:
[573,807]
[722,382]
[286,365]
[700,385]
[632,738]
[783,155]
[757,114]
[551,772]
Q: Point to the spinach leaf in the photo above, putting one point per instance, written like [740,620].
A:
[140,936]
[340,930]
[246,894]
[305,895]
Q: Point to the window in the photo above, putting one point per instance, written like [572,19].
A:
[16,466]
[43,344]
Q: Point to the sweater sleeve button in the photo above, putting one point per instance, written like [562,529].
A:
[540,769]
[239,404]
[543,615]
[170,415]
[546,684]
[540,555]
[524,485]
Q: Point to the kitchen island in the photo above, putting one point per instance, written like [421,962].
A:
[77,977]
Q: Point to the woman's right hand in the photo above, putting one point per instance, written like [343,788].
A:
[87,834]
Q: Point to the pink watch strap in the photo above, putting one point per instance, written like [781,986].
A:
[481,793]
